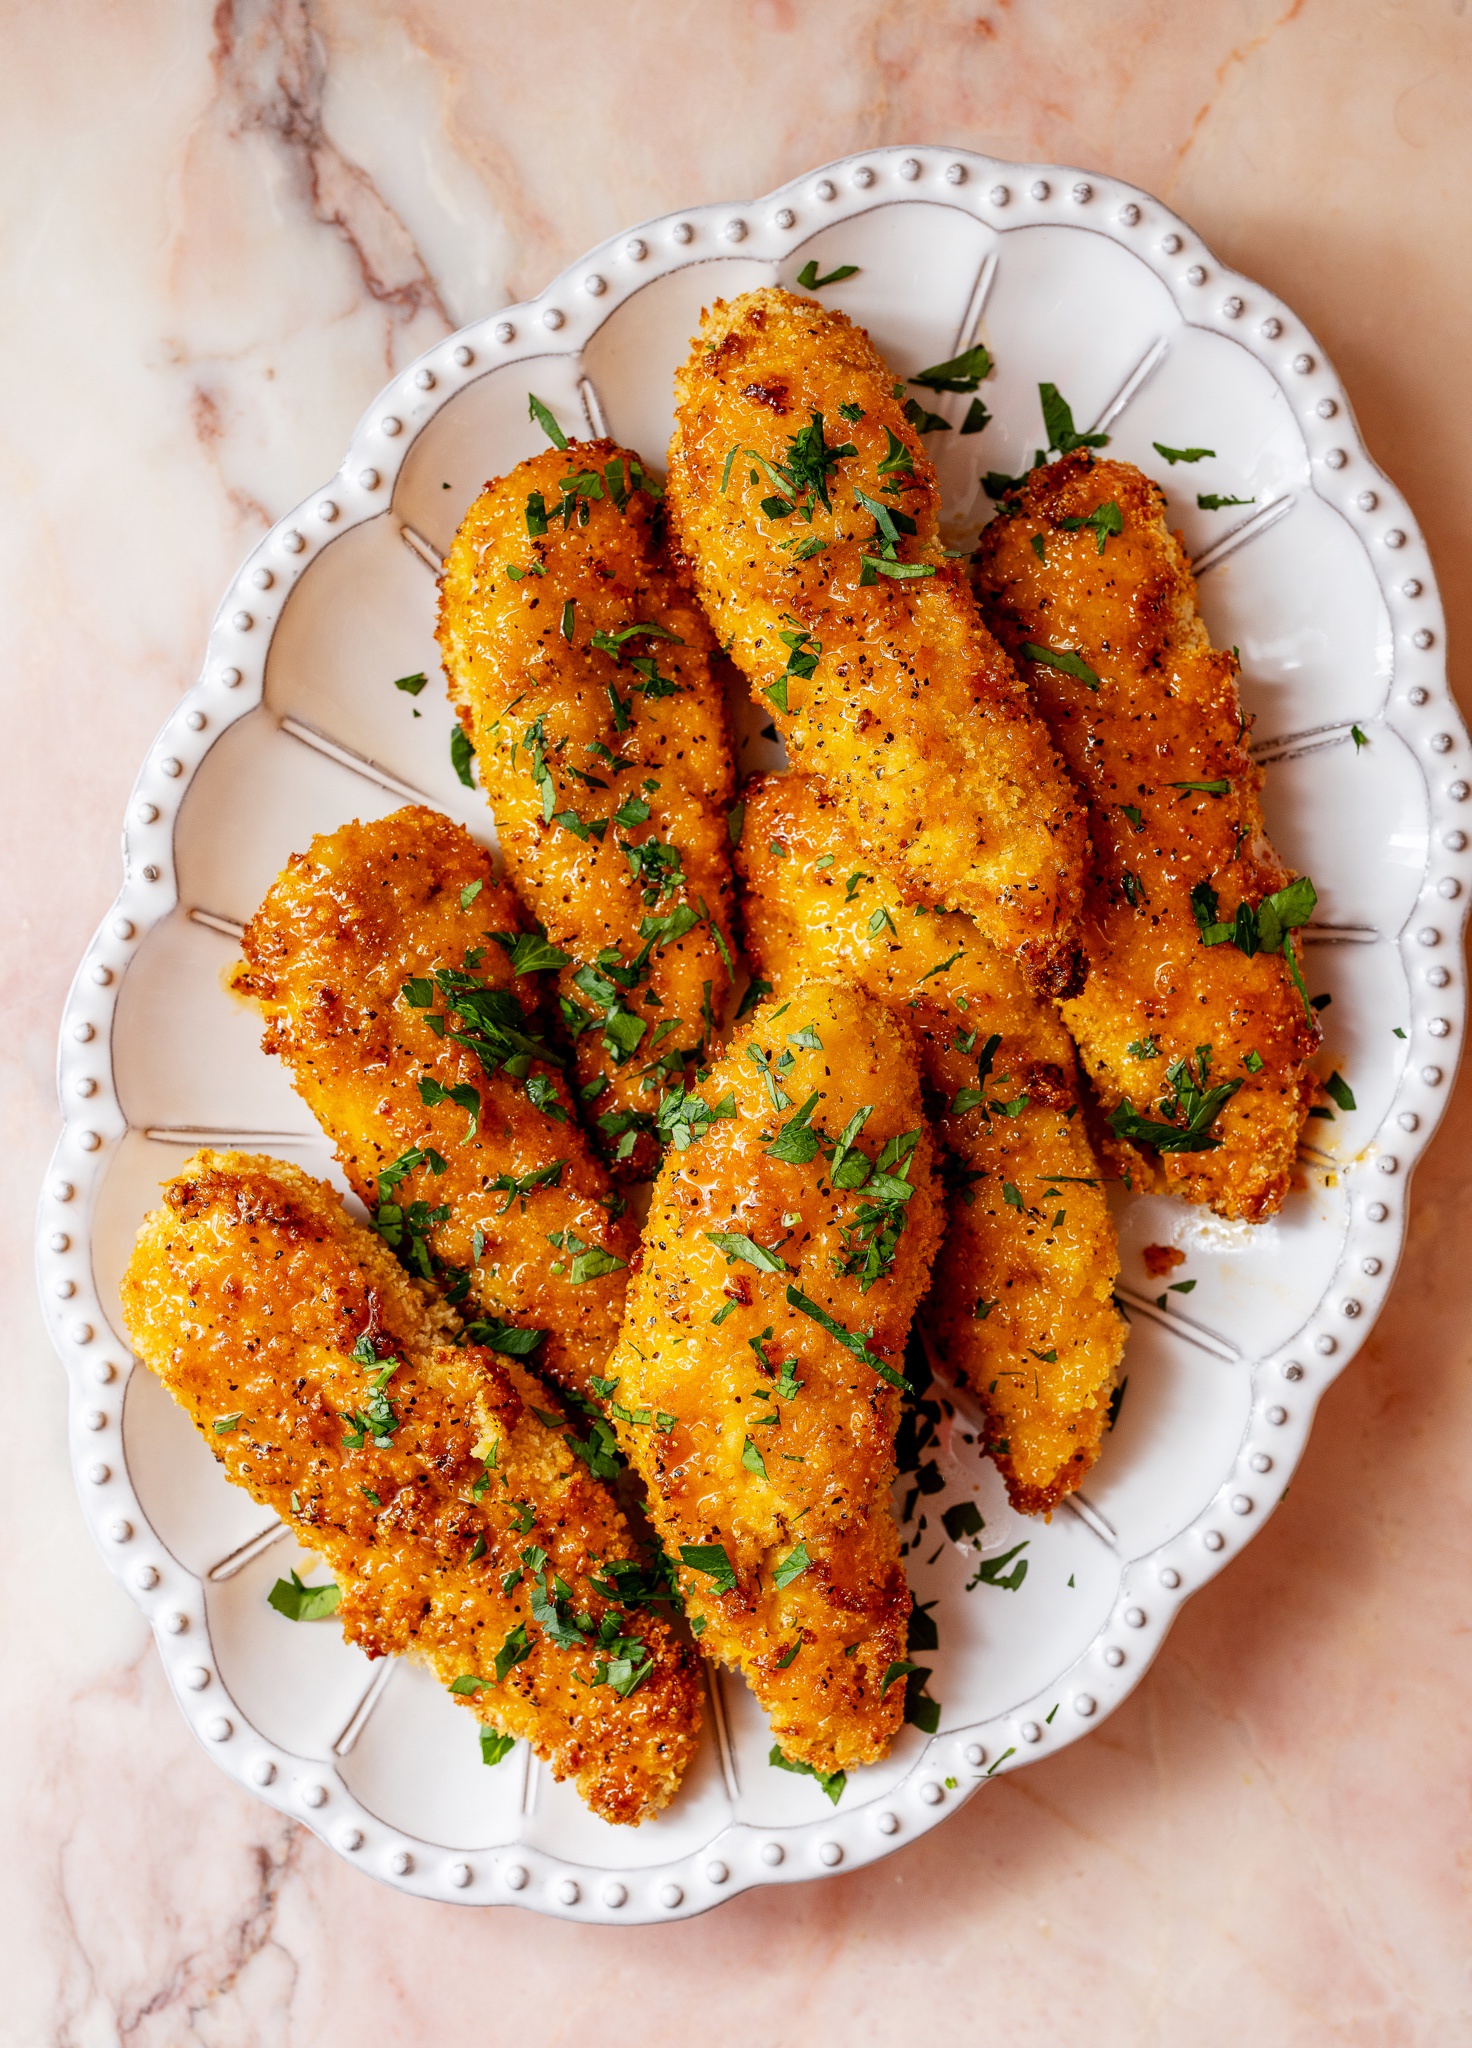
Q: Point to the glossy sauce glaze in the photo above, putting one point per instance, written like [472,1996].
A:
[431,1476]
[767,1444]
[870,654]
[1081,562]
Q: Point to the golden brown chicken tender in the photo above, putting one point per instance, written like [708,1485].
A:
[806,504]
[1021,1304]
[785,1250]
[385,960]
[583,670]
[1193,1023]
[460,1528]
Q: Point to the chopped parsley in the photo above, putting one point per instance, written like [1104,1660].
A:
[712,1560]
[494,1746]
[992,1571]
[1058,423]
[225,1424]
[810,281]
[1211,501]
[530,952]
[856,1344]
[515,1650]
[462,753]
[411,685]
[735,1246]
[796,1144]
[590,1262]
[1175,455]
[1191,1107]
[1065,659]
[1267,929]
[537,411]
[752,1459]
[870,1240]
[513,1187]
[923,420]
[376,1419]
[961,1519]
[299,1602]
[964,372]
[1339,1089]
[511,1340]
[1105,520]
[432,1093]
[830,1782]
[792,1566]
[800,484]
[755,990]
[684,1116]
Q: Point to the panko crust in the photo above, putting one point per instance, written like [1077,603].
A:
[912,717]
[1167,713]
[342,930]
[246,1294]
[598,772]
[1022,1300]
[734,1455]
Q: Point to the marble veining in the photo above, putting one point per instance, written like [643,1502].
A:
[222,233]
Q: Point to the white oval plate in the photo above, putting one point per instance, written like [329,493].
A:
[1323,583]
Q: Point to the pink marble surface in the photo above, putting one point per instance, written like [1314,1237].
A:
[220,233]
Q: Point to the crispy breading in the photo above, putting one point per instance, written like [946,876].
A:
[1021,1305]
[1165,716]
[767,1441]
[332,958]
[871,655]
[460,1528]
[584,672]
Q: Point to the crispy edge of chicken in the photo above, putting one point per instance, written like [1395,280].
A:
[321,1377]
[869,652]
[604,752]
[1166,714]
[1022,1299]
[769,1451]
[343,930]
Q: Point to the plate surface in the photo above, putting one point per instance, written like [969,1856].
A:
[1323,583]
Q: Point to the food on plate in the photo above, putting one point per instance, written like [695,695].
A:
[429,1474]
[1194,1023]
[401,988]
[762,1359]
[584,672]
[804,500]
[1021,1305]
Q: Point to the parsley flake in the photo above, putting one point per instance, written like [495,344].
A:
[810,281]
[1064,659]
[535,410]
[299,1602]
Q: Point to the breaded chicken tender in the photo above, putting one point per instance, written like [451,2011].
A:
[1193,1023]
[385,961]
[785,1251]
[461,1530]
[1021,1304]
[806,504]
[583,670]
